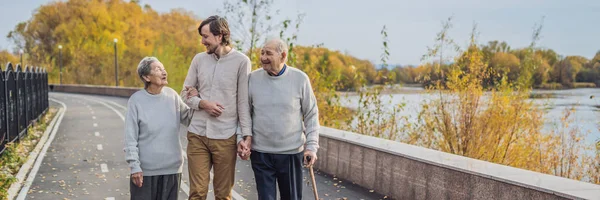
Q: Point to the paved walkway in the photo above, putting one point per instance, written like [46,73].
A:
[86,160]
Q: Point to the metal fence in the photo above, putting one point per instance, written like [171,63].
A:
[24,98]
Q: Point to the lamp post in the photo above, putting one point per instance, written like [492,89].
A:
[60,62]
[21,54]
[116,65]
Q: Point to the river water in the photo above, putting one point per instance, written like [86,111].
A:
[585,102]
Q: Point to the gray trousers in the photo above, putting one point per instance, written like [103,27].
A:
[160,187]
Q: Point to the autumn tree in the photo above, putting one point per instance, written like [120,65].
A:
[494,47]
[251,22]
[498,128]
[6,57]
[565,71]
[503,65]
[86,30]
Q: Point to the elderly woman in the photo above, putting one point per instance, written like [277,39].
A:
[152,147]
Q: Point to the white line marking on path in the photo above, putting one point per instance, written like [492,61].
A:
[99,147]
[97,134]
[109,198]
[38,162]
[93,117]
[95,124]
[184,186]
[104,167]
[116,104]
[108,106]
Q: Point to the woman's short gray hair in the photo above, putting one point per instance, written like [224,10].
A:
[145,68]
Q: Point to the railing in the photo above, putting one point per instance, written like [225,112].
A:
[23,98]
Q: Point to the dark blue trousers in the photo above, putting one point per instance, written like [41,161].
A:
[271,170]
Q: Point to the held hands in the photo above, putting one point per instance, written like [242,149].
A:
[244,148]
[137,178]
[215,109]
[310,158]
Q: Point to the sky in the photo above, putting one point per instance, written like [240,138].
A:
[354,26]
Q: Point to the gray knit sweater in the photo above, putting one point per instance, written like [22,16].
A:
[284,112]
[152,124]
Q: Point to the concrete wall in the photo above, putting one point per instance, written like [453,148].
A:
[94,89]
[403,171]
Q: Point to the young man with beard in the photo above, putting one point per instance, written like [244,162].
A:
[217,83]
[285,124]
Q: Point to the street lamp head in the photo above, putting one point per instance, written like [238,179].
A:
[21,51]
[59,46]
[115,40]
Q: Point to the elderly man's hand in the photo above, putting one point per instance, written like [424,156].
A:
[213,108]
[310,158]
[244,148]
[138,178]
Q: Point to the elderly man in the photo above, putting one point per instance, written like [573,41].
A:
[220,76]
[285,124]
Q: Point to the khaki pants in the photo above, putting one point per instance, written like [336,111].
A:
[204,153]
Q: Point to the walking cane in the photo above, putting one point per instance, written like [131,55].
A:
[312,178]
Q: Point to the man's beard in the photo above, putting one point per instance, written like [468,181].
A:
[211,49]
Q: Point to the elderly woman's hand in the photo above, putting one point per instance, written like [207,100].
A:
[137,178]
[191,91]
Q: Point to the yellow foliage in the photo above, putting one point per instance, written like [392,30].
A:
[501,125]
[6,57]
[86,30]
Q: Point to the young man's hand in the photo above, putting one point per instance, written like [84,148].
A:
[244,148]
[213,108]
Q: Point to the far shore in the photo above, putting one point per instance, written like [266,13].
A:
[419,89]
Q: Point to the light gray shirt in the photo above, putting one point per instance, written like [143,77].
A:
[285,116]
[225,81]
[152,144]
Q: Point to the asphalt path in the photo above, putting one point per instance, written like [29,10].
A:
[86,160]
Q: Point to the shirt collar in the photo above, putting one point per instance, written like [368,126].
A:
[280,72]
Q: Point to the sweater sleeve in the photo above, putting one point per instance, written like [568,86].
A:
[239,129]
[131,138]
[310,113]
[192,80]
[185,112]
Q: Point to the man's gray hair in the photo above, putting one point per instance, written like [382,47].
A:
[145,68]
[280,45]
